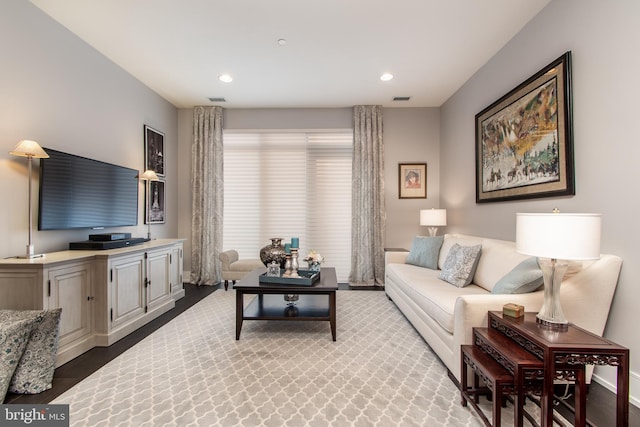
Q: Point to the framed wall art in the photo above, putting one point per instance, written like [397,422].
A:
[153,150]
[412,179]
[524,140]
[155,209]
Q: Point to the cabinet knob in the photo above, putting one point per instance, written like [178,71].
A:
[90,298]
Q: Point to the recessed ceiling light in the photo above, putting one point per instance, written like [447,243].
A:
[386,77]
[225,78]
[282,42]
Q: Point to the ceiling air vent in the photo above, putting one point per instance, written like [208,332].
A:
[219,99]
[401,98]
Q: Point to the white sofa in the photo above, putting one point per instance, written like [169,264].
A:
[445,314]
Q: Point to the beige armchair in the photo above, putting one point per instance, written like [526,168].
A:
[234,268]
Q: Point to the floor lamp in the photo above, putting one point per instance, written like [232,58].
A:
[554,238]
[148,176]
[30,150]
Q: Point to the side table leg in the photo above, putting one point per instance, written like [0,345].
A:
[239,312]
[580,397]
[622,406]
[332,314]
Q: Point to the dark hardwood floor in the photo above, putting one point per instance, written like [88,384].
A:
[601,406]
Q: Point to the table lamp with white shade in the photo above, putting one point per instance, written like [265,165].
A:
[30,150]
[433,218]
[555,238]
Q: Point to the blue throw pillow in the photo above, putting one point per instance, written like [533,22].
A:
[425,251]
[524,278]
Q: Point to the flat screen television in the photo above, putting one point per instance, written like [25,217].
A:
[77,192]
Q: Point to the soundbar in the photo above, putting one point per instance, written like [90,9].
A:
[106,244]
[109,236]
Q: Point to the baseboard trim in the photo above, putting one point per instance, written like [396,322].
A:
[634,386]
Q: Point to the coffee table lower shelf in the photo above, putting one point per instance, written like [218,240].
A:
[267,306]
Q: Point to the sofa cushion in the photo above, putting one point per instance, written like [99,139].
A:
[436,298]
[14,336]
[34,373]
[525,277]
[460,265]
[424,251]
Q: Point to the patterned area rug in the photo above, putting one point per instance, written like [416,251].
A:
[192,372]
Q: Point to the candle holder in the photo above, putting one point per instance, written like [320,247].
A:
[287,266]
[294,262]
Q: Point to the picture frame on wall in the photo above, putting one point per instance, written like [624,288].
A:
[524,140]
[155,201]
[153,150]
[412,180]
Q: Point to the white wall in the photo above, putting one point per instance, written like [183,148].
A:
[410,135]
[603,38]
[59,91]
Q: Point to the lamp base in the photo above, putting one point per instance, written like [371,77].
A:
[551,315]
[30,253]
[433,231]
[30,256]
[553,326]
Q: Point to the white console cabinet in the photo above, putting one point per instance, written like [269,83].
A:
[104,294]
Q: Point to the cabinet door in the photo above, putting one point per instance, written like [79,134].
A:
[177,288]
[158,285]
[127,288]
[70,289]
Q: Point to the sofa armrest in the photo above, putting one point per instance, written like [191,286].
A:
[395,257]
[227,258]
[472,310]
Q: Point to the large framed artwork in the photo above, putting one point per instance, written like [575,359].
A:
[412,179]
[153,150]
[155,202]
[524,140]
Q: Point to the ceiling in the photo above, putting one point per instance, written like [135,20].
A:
[334,54]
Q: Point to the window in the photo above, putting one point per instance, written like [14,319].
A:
[289,185]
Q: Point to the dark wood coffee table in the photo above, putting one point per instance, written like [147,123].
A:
[315,303]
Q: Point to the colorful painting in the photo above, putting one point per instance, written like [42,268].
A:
[523,141]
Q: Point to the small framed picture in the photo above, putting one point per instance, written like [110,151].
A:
[153,150]
[155,202]
[412,179]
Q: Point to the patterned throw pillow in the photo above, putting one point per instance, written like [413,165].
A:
[460,265]
[14,336]
[424,251]
[34,373]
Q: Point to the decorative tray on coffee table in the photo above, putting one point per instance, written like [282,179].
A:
[307,278]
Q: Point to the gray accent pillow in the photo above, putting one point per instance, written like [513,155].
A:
[34,373]
[460,265]
[14,336]
[425,251]
[524,278]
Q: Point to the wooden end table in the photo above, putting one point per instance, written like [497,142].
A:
[316,303]
[573,347]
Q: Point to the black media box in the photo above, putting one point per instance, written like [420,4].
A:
[106,244]
[109,236]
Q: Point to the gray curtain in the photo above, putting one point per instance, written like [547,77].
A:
[207,190]
[368,209]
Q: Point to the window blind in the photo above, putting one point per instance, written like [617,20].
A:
[289,184]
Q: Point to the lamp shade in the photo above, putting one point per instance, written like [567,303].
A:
[149,175]
[433,217]
[570,236]
[28,148]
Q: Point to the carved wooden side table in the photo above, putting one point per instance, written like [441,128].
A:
[573,347]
